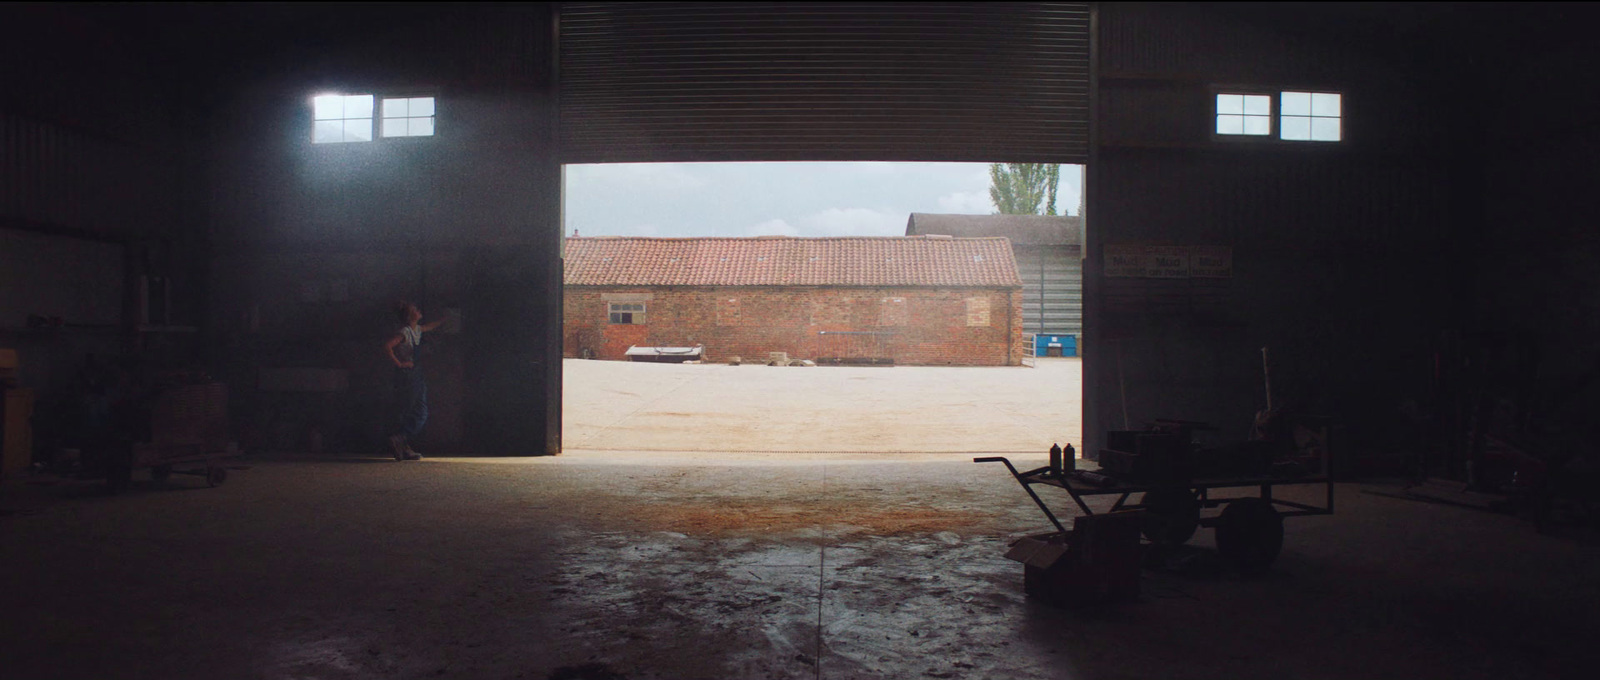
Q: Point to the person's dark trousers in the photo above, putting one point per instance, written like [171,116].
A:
[412,397]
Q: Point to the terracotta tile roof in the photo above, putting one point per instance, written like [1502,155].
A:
[790,261]
[1023,230]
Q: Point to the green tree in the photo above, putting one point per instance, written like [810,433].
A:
[1024,188]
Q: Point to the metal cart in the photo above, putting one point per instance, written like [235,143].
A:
[188,434]
[1249,529]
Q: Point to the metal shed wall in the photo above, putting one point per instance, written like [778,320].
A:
[811,81]
[1340,251]
[1052,289]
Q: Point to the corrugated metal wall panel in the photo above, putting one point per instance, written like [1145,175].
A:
[1052,290]
[60,177]
[824,81]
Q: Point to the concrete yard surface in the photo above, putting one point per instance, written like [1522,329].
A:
[625,406]
[671,565]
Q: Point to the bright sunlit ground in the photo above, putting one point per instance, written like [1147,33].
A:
[613,405]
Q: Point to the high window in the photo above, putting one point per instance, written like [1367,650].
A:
[1311,117]
[1244,114]
[408,117]
[341,118]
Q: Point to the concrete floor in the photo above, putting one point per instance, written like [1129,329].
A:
[624,406]
[652,565]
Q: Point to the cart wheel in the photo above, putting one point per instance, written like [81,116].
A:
[216,475]
[1171,516]
[161,473]
[1250,535]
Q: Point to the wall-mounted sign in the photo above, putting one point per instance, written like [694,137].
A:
[1168,262]
[1125,261]
[1211,262]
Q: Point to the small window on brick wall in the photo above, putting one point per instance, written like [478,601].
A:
[627,312]
[978,311]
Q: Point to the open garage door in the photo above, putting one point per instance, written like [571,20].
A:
[666,82]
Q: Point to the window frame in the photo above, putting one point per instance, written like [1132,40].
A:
[1272,112]
[372,125]
[1343,137]
[635,317]
[378,94]
[378,116]
[1275,136]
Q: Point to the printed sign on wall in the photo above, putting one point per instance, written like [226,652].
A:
[1168,262]
[1125,261]
[1211,262]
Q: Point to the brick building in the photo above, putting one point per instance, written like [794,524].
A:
[906,300]
[1049,254]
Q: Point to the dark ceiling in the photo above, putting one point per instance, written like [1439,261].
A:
[206,47]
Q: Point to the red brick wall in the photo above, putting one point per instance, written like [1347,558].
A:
[928,326]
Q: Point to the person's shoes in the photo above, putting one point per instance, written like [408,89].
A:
[398,444]
[412,455]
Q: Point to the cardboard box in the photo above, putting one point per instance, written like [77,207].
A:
[16,440]
[1098,561]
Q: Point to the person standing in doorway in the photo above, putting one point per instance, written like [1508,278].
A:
[411,391]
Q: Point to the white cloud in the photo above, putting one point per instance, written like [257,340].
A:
[772,228]
[966,203]
[854,222]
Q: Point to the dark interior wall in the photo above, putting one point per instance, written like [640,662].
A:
[1339,250]
[315,243]
[94,186]
[1539,158]
[90,133]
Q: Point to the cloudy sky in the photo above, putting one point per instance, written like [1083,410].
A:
[794,199]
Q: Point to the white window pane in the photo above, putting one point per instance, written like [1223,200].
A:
[423,106]
[1230,125]
[421,127]
[1325,129]
[1295,127]
[358,130]
[1297,103]
[394,108]
[1325,105]
[327,131]
[1258,125]
[1258,105]
[358,106]
[1230,104]
[394,127]
[328,107]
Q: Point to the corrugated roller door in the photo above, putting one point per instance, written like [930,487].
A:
[1052,290]
[1063,296]
[978,82]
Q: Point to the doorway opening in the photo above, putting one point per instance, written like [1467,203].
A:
[865,307]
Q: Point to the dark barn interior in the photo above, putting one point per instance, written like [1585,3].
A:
[1425,283]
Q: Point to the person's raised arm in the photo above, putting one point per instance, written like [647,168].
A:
[430,326]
